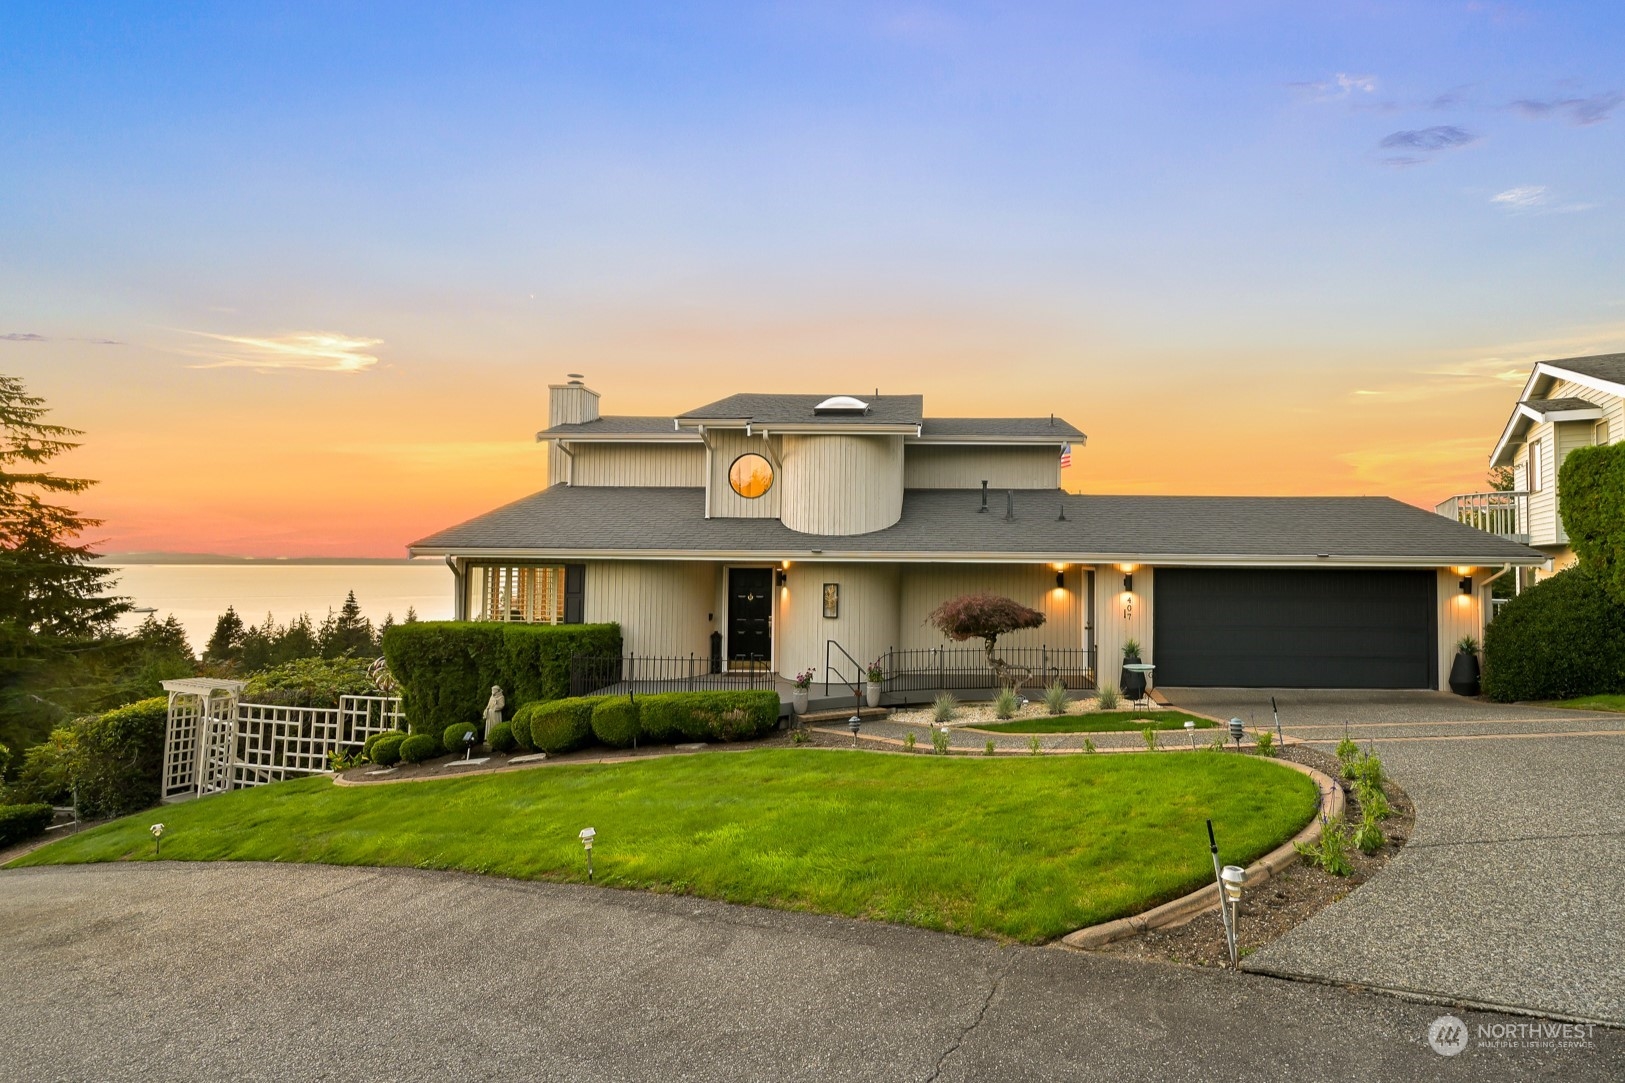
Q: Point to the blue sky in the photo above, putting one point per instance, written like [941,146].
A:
[1209,234]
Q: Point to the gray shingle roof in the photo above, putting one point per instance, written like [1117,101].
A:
[1000,426]
[1604,366]
[946,521]
[616,425]
[798,410]
[1548,406]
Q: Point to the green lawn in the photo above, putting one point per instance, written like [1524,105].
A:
[1099,722]
[1027,848]
[1591,703]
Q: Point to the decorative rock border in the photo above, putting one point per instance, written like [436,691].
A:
[1206,898]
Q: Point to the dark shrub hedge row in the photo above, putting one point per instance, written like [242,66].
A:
[420,747]
[311,682]
[20,822]
[707,716]
[1563,637]
[559,725]
[615,722]
[113,760]
[446,668]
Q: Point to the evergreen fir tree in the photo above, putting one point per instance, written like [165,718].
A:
[226,644]
[347,632]
[411,614]
[297,640]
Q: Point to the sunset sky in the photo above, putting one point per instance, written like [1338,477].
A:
[303,276]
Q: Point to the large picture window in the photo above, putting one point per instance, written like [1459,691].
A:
[751,475]
[528,594]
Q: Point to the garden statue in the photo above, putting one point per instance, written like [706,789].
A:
[493,709]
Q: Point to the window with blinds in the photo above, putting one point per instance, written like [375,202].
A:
[527,594]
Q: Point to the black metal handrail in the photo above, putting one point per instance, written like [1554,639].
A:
[857,676]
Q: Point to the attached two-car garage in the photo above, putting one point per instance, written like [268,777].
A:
[1295,628]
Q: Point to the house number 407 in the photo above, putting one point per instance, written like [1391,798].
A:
[1128,608]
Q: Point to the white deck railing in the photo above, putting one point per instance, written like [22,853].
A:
[1502,513]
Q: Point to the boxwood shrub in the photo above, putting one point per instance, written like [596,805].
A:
[560,725]
[615,721]
[501,737]
[371,743]
[1563,637]
[455,737]
[446,668]
[419,747]
[20,822]
[708,716]
[520,727]
[386,751]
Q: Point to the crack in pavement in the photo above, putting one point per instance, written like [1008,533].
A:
[993,991]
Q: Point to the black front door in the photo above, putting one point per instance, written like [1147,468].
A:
[750,616]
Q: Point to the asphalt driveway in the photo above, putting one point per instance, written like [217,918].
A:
[170,971]
[1512,889]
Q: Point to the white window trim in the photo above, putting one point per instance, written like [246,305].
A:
[1537,466]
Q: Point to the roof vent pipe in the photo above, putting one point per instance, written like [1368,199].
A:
[1009,506]
[984,499]
[1061,518]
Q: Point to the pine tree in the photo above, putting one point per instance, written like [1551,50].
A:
[259,646]
[383,627]
[411,614]
[226,644]
[347,633]
[297,640]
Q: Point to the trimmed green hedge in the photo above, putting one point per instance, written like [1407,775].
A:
[446,668]
[455,738]
[501,737]
[420,747]
[520,726]
[560,725]
[20,822]
[1591,495]
[386,751]
[708,716]
[615,722]
[1563,637]
[114,760]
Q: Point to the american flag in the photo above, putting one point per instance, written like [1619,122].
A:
[1066,456]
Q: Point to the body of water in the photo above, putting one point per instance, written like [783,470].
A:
[198,593]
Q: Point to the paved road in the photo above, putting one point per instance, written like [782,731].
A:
[264,972]
[1512,889]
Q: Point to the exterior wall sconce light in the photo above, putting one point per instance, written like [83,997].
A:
[1466,584]
[1128,583]
[784,578]
[1060,580]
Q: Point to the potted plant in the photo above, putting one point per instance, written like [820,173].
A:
[873,674]
[1130,681]
[798,691]
[1464,670]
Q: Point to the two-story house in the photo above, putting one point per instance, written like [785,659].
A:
[1566,403]
[766,530]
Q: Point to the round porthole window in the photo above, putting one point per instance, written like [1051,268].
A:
[751,475]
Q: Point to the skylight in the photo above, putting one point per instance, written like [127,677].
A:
[841,404]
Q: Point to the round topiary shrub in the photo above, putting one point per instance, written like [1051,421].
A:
[386,750]
[419,747]
[615,722]
[453,740]
[560,725]
[501,737]
[520,727]
[371,743]
[1563,637]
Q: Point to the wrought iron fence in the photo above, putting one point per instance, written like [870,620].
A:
[648,674]
[931,668]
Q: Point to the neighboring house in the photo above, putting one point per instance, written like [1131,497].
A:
[1567,403]
[782,532]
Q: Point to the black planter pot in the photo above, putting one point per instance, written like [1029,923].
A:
[1131,683]
[1464,674]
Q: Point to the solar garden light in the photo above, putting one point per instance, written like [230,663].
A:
[1233,878]
[468,744]
[586,837]
[157,838]
[853,724]
[1235,732]
[1224,892]
[1190,728]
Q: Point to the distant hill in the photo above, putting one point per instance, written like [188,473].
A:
[221,558]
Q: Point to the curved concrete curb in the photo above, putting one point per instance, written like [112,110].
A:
[1183,909]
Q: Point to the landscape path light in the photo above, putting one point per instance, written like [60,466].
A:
[854,724]
[1190,728]
[1224,892]
[157,838]
[586,837]
[1233,878]
[1235,732]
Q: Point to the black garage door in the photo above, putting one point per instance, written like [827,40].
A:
[1284,628]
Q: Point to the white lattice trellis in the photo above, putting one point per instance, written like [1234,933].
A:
[216,743]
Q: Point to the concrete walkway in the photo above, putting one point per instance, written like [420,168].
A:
[266,972]
[1512,889]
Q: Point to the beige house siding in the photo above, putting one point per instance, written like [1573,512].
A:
[1121,616]
[927,467]
[726,446]
[1613,405]
[661,606]
[841,484]
[926,586]
[654,465]
[868,614]
[1460,615]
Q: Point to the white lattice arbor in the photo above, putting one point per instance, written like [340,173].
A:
[214,742]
